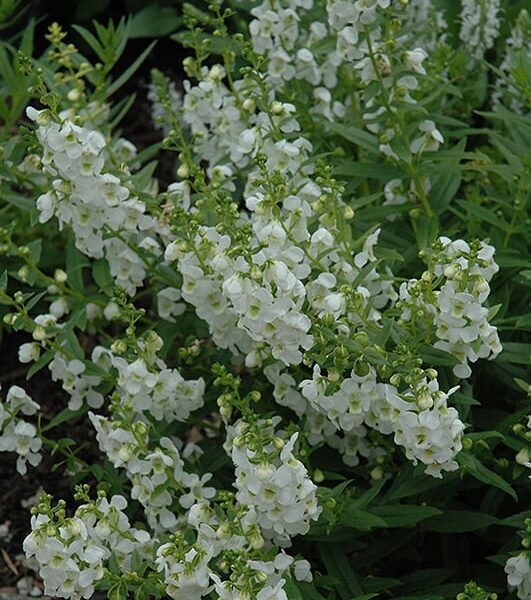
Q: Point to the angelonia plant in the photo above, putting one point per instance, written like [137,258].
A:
[277,343]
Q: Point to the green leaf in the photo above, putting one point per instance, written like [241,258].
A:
[339,567]
[444,188]
[423,597]
[117,592]
[292,590]
[459,521]
[31,302]
[216,44]
[129,72]
[478,470]
[405,515]
[517,520]
[102,276]
[425,578]
[482,214]
[524,322]
[118,112]
[35,248]
[368,170]
[71,343]
[92,41]
[426,230]
[411,481]
[510,261]
[309,592]
[42,362]
[153,21]
[361,138]
[360,519]
[75,262]
[516,353]
[142,177]
[436,357]
[369,495]
[17,200]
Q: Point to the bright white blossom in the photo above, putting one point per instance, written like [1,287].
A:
[518,569]
[17,434]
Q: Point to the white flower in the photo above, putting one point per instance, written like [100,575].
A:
[429,141]
[185,576]
[414,59]
[480,25]
[29,352]
[518,569]
[280,490]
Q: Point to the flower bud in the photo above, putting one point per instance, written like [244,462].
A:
[523,456]
[264,472]
[249,105]
[376,473]
[60,276]
[318,476]
[183,171]
[39,333]
[74,95]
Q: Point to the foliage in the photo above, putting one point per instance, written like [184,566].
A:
[305,358]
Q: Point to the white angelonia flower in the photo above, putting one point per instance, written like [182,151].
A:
[272,578]
[518,569]
[350,405]
[457,313]
[111,310]
[70,564]
[156,472]
[108,528]
[16,434]
[153,387]
[433,435]
[285,500]
[88,199]
[462,322]
[480,25]
[306,67]
[429,141]
[75,382]
[168,305]
[29,352]
[394,194]
[19,400]
[185,575]
[426,22]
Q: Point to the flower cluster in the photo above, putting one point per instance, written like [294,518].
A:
[71,551]
[271,481]
[156,471]
[78,385]
[419,416]
[84,195]
[147,385]
[480,25]
[69,563]
[452,294]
